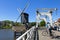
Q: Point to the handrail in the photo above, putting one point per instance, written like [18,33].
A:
[29,34]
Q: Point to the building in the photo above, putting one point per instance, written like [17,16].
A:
[57,22]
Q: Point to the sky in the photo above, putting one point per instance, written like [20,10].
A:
[8,8]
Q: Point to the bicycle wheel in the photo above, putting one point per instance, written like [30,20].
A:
[54,34]
[44,33]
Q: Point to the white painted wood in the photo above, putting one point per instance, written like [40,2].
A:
[29,34]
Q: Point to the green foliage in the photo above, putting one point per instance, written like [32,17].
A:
[6,24]
[42,23]
[17,24]
[33,23]
[6,27]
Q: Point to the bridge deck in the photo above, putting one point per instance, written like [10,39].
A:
[41,37]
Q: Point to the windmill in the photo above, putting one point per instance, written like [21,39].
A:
[24,16]
[21,12]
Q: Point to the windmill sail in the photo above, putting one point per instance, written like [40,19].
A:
[22,11]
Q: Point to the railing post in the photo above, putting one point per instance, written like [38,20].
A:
[31,33]
[23,38]
[27,36]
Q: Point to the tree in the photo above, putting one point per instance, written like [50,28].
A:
[6,24]
[17,24]
[42,23]
[33,23]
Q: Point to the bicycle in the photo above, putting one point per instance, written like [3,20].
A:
[46,33]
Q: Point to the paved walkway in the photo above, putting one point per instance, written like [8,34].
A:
[41,37]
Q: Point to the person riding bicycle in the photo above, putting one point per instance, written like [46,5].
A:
[55,27]
[47,25]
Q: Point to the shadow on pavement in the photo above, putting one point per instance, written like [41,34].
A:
[57,37]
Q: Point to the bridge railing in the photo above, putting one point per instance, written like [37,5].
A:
[28,35]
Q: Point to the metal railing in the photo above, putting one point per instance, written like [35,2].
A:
[28,35]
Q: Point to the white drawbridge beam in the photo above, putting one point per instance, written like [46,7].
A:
[48,15]
[38,19]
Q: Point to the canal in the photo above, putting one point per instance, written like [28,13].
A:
[6,34]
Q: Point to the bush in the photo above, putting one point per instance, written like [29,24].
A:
[42,23]
[32,23]
[6,27]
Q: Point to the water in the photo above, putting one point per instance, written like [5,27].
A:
[6,34]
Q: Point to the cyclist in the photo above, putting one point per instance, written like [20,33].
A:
[47,25]
[55,27]
[49,28]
